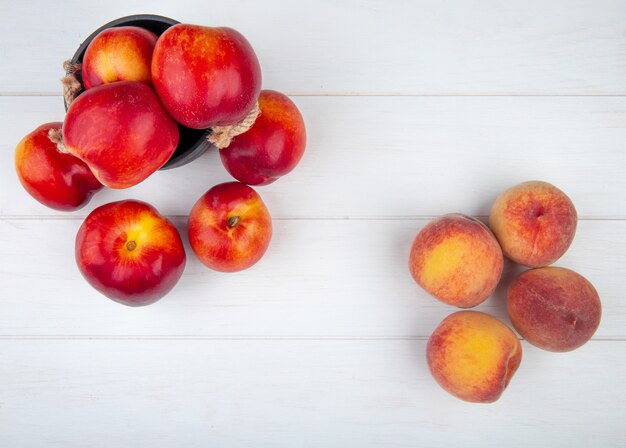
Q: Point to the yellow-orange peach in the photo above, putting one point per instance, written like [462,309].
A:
[473,356]
[555,309]
[534,222]
[456,259]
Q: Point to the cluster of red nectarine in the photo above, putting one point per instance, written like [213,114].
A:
[459,260]
[122,124]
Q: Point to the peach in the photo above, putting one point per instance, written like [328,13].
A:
[534,222]
[456,259]
[473,356]
[555,309]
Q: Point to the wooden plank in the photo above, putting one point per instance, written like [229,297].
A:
[394,156]
[530,47]
[320,278]
[103,393]
[414,109]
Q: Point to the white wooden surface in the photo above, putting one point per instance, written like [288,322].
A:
[414,109]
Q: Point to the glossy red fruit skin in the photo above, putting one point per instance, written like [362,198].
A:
[138,276]
[122,53]
[205,76]
[272,147]
[120,130]
[220,245]
[59,181]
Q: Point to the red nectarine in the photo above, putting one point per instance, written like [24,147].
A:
[229,227]
[129,252]
[121,53]
[272,147]
[121,131]
[205,76]
[57,180]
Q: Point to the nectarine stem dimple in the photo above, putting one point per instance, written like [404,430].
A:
[233,221]
[130,246]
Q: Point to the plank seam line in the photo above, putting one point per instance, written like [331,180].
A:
[240,338]
[392,94]
[291,218]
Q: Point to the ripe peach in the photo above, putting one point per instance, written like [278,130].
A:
[555,309]
[534,222]
[473,356]
[121,53]
[456,259]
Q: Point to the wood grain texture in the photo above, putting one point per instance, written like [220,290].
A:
[320,278]
[295,393]
[413,109]
[328,46]
[412,157]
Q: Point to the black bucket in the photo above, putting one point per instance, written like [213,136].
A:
[192,143]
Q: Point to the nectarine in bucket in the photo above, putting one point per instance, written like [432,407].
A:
[192,142]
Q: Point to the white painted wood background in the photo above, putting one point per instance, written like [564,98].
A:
[413,109]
